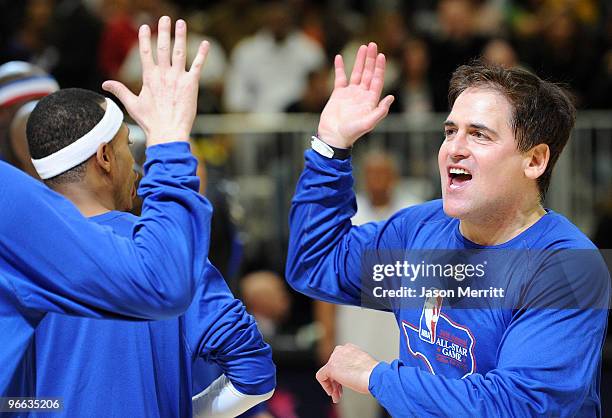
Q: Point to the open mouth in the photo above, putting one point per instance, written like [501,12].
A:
[458,177]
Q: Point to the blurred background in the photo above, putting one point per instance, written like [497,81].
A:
[266,79]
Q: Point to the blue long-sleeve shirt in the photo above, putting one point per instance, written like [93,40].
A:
[537,353]
[105,368]
[52,259]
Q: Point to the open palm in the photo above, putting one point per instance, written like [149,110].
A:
[354,107]
[166,106]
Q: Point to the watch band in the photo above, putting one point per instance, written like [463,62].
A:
[326,150]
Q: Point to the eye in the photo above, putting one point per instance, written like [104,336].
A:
[449,132]
[480,135]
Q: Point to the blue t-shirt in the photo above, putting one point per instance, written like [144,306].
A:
[106,368]
[536,351]
[52,259]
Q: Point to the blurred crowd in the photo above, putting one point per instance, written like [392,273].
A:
[265,53]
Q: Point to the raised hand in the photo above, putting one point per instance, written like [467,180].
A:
[166,106]
[354,107]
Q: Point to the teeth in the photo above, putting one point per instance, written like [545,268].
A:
[458,171]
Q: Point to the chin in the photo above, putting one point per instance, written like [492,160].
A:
[455,209]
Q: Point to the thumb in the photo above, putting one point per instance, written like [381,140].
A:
[119,90]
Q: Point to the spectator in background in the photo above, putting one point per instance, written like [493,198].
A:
[564,52]
[269,70]
[77,31]
[413,92]
[30,42]
[18,140]
[222,18]
[21,84]
[120,33]
[381,196]
[455,44]
[315,94]
[265,295]
[600,90]
[499,52]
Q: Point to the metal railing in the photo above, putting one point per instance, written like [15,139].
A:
[265,158]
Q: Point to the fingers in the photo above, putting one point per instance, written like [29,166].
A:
[144,46]
[180,45]
[120,91]
[200,58]
[359,64]
[370,63]
[324,381]
[377,114]
[378,80]
[340,79]
[336,391]
[386,104]
[329,385]
[164,27]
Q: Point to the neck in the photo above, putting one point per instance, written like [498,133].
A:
[502,228]
[87,200]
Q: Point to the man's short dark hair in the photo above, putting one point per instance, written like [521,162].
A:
[542,112]
[59,120]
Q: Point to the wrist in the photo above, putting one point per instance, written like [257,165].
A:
[366,376]
[158,139]
[333,139]
[329,151]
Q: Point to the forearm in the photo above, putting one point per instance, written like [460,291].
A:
[222,400]
[410,392]
[219,329]
[239,349]
[320,221]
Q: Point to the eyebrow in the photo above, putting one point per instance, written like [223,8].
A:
[473,125]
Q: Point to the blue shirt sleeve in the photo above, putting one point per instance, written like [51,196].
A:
[55,260]
[325,250]
[219,330]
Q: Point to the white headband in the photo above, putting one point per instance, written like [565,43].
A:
[84,147]
[27,88]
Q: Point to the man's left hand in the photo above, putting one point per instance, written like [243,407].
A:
[348,366]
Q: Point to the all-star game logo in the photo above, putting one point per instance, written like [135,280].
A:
[444,346]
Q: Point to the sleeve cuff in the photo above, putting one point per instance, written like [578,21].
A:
[318,160]
[376,377]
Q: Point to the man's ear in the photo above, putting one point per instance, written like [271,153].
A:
[103,157]
[536,161]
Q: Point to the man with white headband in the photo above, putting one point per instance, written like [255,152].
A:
[52,259]
[92,167]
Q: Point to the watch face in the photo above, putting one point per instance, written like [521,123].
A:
[321,147]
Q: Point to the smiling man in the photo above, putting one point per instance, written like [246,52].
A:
[532,350]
